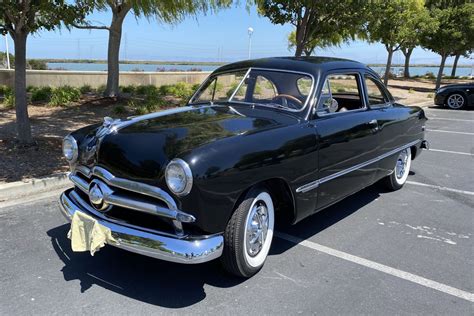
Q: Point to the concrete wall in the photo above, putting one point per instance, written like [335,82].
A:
[55,78]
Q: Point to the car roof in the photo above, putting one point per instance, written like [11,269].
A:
[311,65]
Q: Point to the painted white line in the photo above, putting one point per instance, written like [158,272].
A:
[449,119]
[445,110]
[444,131]
[450,152]
[379,267]
[437,187]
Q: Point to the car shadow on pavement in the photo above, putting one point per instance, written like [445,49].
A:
[318,222]
[139,277]
[174,285]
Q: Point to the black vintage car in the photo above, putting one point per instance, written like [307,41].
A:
[455,96]
[260,140]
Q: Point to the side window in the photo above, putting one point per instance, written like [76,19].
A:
[340,93]
[264,89]
[375,92]
[304,85]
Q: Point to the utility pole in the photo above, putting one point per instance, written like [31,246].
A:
[7,51]
[250,31]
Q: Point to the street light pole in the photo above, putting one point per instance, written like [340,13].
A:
[250,31]
[7,51]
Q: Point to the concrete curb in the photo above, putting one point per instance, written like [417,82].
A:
[423,104]
[15,190]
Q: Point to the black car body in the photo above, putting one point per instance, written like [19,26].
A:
[308,155]
[455,96]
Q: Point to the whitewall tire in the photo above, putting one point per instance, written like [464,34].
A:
[400,173]
[249,233]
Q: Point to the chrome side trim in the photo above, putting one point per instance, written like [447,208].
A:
[171,212]
[314,184]
[188,250]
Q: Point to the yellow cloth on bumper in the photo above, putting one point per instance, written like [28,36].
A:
[87,234]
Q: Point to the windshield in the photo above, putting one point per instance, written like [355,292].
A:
[282,89]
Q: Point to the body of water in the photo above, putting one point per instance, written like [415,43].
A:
[128,67]
[414,70]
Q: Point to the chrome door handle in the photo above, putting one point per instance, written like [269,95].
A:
[373,122]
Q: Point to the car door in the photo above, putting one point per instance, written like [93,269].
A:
[396,123]
[348,137]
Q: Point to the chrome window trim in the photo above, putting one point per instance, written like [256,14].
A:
[385,95]
[361,92]
[308,100]
[314,184]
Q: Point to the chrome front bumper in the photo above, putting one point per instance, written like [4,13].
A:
[188,249]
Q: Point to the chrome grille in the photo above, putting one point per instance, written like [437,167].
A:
[131,195]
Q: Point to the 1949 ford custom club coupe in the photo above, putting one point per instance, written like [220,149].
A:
[260,140]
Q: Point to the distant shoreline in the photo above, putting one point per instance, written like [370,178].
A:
[203,63]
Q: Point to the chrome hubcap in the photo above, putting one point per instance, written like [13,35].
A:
[456,101]
[257,228]
[401,164]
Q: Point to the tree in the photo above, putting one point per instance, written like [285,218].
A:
[315,21]
[335,39]
[456,26]
[20,19]
[165,11]
[422,22]
[392,23]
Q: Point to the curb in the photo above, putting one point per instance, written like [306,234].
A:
[15,190]
[423,104]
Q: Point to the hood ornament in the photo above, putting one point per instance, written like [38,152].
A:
[109,125]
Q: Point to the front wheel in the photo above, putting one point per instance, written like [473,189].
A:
[399,176]
[249,233]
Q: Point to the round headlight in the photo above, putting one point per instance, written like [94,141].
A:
[70,150]
[179,177]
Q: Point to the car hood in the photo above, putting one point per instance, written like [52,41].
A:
[141,147]
[457,86]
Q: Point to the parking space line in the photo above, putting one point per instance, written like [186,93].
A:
[445,131]
[450,152]
[440,187]
[379,267]
[449,119]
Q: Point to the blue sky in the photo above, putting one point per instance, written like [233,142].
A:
[222,36]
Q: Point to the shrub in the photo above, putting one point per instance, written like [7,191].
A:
[85,89]
[119,109]
[430,75]
[37,64]
[41,94]
[4,90]
[64,95]
[9,100]
[146,90]
[429,95]
[101,89]
[128,89]
[411,90]
[30,89]
[180,90]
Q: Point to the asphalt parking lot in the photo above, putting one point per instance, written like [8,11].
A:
[405,252]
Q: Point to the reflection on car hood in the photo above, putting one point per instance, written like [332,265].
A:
[140,148]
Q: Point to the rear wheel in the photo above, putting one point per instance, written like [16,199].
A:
[456,101]
[399,176]
[249,233]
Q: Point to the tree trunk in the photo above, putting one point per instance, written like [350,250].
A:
[406,70]
[455,65]
[389,64]
[21,106]
[299,43]
[441,68]
[113,53]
